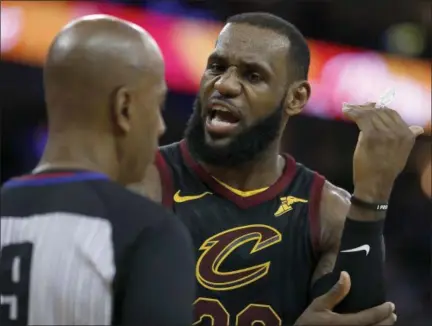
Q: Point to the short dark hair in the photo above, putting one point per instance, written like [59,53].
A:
[299,51]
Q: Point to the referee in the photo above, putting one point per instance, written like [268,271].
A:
[77,248]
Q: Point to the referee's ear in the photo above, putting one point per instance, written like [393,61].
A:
[122,109]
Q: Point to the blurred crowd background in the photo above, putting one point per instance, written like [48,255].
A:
[359,49]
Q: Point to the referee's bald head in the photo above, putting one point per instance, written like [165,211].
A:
[106,75]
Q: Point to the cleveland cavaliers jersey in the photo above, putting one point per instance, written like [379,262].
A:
[67,242]
[255,253]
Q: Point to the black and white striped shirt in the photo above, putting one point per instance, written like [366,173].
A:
[77,249]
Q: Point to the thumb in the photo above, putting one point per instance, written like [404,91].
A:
[416,130]
[335,295]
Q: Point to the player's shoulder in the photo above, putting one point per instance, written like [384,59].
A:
[170,147]
[171,153]
[299,166]
[303,175]
[330,192]
[335,202]
[336,192]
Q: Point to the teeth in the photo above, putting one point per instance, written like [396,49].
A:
[217,122]
[220,108]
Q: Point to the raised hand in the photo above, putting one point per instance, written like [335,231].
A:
[383,147]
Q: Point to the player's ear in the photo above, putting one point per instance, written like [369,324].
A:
[122,109]
[297,96]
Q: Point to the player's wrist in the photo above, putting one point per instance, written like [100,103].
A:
[367,211]
[374,196]
[373,193]
[362,214]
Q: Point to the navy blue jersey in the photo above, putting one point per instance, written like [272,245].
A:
[255,253]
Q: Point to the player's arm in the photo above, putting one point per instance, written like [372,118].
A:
[160,287]
[344,227]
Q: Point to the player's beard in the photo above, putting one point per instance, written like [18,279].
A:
[243,148]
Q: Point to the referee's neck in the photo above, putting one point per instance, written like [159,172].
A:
[80,152]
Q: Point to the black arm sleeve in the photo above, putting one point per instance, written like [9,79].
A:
[160,287]
[361,255]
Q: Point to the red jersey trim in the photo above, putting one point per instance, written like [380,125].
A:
[314,211]
[167,183]
[242,202]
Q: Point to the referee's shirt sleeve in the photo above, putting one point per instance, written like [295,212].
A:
[160,288]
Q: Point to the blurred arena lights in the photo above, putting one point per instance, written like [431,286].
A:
[338,73]
[406,39]
[11,25]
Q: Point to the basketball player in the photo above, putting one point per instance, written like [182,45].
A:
[77,248]
[266,229]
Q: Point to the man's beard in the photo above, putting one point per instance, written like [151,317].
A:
[243,148]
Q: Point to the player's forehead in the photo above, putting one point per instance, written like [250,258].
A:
[249,42]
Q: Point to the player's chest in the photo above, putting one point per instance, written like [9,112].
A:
[231,239]
[208,214]
[243,255]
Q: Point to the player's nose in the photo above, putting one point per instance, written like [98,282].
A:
[228,84]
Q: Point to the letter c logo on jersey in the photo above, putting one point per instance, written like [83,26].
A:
[218,247]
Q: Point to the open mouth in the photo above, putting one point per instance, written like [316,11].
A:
[221,121]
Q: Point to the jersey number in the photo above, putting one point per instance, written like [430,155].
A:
[219,316]
[15,261]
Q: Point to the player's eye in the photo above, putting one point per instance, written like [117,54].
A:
[254,77]
[216,68]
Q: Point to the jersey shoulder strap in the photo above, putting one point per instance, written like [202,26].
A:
[309,183]
[169,162]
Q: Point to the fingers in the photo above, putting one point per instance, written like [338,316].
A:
[391,123]
[367,117]
[394,118]
[416,130]
[382,121]
[356,112]
[335,295]
[392,126]
[388,321]
[401,125]
[360,114]
[370,316]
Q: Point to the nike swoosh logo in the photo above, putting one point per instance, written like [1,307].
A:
[181,199]
[365,247]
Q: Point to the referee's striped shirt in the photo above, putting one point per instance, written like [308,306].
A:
[77,249]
